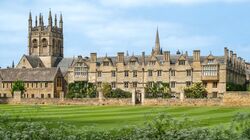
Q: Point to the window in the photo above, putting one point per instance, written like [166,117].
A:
[113,84]
[3,85]
[205,84]
[126,73]
[189,72]
[210,70]
[210,61]
[34,43]
[134,73]
[99,84]
[59,82]
[105,63]
[113,73]
[159,72]
[134,84]
[215,84]
[42,95]
[188,83]
[41,85]
[214,95]
[32,96]
[150,73]
[132,62]
[0,95]
[181,62]
[172,84]
[49,95]
[46,84]
[172,72]
[36,85]
[44,42]
[99,74]
[125,84]
[150,84]
[4,95]
[152,63]
[80,70]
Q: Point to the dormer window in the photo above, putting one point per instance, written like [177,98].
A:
[105,63]
[210,61]
[181,62]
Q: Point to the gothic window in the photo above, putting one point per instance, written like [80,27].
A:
[34,43]
[99,74]
[215,84]
[152,62]
[210,61]
[150,84]
[44,43]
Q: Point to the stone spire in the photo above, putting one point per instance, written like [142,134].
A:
[50,21]
[61,22]
[30,21]
[55,20]
[36,22]
[157,49]
[40,19]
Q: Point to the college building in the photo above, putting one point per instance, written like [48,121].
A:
[46,72]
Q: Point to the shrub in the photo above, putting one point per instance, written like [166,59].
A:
[18,86]
[197,90]
[236,87]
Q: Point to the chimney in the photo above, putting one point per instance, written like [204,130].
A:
[166,56]
[120,57]
[225,55]
[231,56]
[196,55]
[93,57]
[143,57]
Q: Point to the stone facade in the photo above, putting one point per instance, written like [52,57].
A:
[131,73]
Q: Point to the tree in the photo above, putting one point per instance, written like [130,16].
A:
[158,90]
[81,89]
[106,89]
[18,86]
[197,90]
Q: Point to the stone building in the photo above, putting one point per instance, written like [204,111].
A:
[130,73]
[38,82]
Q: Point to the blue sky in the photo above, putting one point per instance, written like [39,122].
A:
[111,26]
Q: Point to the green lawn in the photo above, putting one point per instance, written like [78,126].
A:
[107,117]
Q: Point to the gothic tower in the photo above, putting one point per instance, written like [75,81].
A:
[46,42]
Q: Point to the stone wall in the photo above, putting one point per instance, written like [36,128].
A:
[56,101]
[236,99]
[228,99]
[185,102]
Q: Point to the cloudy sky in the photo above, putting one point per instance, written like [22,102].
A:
[111,26]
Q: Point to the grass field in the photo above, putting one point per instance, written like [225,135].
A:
[108,117]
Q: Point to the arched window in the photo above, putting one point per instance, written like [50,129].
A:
[34,43]
[44,42]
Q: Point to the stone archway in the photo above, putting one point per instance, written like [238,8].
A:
[138,97]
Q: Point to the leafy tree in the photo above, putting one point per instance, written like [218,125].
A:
[158,90]
[197,90]
[18,86]
[118,93]
[106,89]
[81,90]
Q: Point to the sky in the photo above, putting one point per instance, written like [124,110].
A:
[111,26]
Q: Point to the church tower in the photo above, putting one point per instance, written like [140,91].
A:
[157,50]
[46,42]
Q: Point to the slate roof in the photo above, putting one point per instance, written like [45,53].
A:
[34,61]
[34,74]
